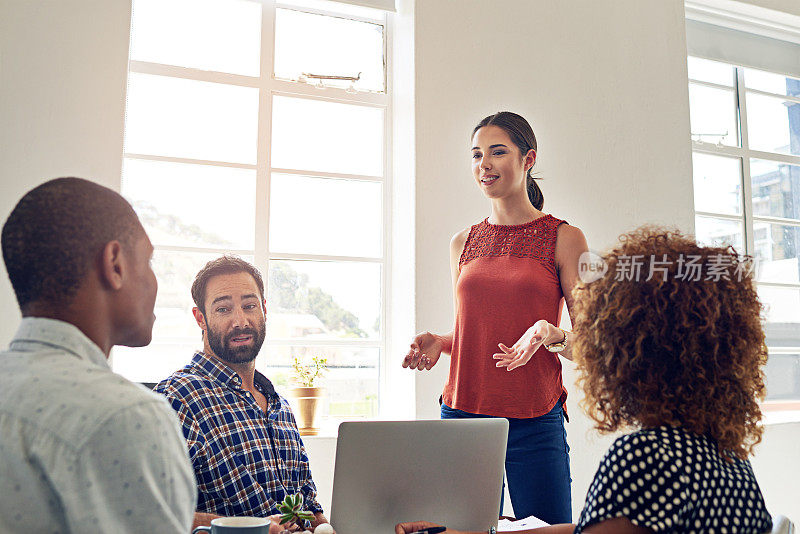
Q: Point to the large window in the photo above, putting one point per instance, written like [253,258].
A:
[261,129]
[746,156]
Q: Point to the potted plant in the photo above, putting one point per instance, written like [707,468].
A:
[306,393]
[292,514]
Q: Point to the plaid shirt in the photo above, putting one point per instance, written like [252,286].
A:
[246,460]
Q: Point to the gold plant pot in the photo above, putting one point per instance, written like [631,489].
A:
[306,401]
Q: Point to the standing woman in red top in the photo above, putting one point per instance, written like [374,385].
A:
[511,274]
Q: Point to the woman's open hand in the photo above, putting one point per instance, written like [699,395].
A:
[425,351]
[541,333]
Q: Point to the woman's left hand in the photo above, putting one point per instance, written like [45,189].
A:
[541,333]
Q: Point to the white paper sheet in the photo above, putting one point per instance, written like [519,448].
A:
[504,525]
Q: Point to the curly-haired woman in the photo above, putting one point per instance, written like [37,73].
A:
[669,343]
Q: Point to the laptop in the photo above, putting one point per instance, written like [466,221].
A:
[447,471]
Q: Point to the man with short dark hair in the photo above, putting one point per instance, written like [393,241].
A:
[243,440]
[83,449]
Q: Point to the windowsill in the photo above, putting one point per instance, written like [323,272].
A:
[775,413]
[781,412]
[321,437]
[782,417]
[328,429]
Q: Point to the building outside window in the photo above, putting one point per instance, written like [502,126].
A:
[261,129]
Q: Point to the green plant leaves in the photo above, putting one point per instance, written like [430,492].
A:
[292,509]
[307,374]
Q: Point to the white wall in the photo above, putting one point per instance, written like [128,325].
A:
[63,69]
[777,467]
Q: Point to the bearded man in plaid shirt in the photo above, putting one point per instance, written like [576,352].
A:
[242,437]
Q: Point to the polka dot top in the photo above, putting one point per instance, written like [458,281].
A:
[670,480]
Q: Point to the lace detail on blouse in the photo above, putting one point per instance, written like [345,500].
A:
[535,239]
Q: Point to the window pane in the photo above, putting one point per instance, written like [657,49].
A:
[190,119]
[313,135]
[705,70]
[771,83]
[782,307]
[719,232]
[218,35]
[192,205]
[776,189]
[773,125]
[325,216]
[176,272]
[154,362]
[713,115]
[717,184]
[351,383]
[782,328]
[342,48]
[323,299]
[777,248]
[783,376]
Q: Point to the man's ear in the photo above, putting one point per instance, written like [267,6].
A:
[198,316]
[264,307]
[112,268]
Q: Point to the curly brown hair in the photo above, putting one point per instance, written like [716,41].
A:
[673,350]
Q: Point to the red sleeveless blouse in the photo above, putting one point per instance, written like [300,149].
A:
[507,281]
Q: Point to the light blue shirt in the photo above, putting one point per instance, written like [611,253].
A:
[81,448]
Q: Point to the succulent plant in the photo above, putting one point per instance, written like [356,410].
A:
[292,511]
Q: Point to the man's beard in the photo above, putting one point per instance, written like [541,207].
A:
[245,353]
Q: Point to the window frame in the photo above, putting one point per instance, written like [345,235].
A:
[744,154]
[268,87]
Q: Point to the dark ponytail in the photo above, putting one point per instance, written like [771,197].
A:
[535,193]
[522,135]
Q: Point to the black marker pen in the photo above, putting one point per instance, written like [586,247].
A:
[432,530]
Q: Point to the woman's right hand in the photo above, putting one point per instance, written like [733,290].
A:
[425,351]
